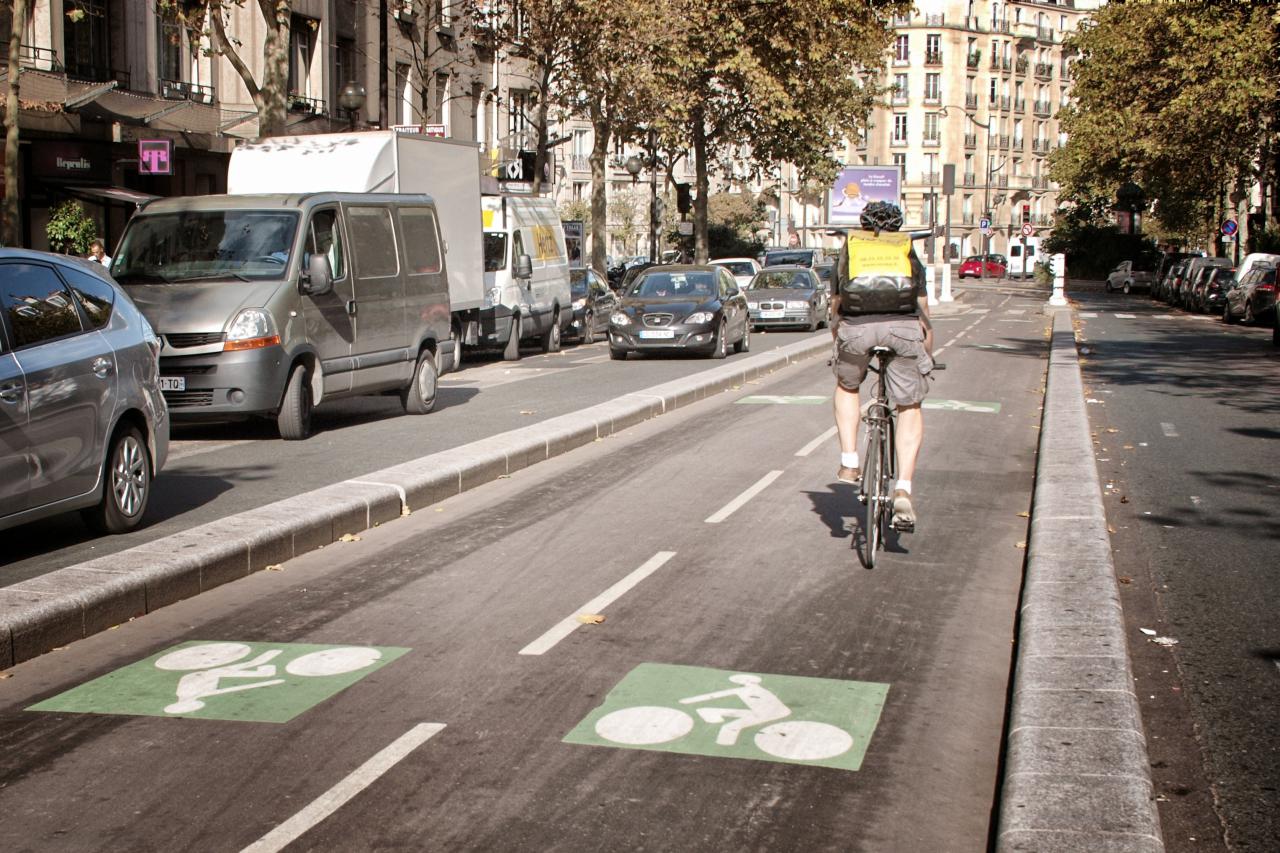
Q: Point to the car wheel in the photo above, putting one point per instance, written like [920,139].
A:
[617,354]
[588,335]
[719,347]
[511,352]
[126,483]
[455,335]
[813,322]
[1226,314]
[551,337]
[294,418]
[419,396]
[744,345]
[1107,287]
[1248,313]
[1128,287]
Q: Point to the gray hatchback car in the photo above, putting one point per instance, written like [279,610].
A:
[83,425]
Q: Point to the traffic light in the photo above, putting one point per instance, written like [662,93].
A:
[684,198]
[1026,214]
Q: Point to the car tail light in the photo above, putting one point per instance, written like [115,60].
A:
[1266,288]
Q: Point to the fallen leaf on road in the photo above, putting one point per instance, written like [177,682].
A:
[275,567]
[1124,499]
[1128,447]
[1112,429]
[1024,515]
[527,412]
[1021,545]
[348,537]
[1148,632]
[590,618]
[1110,529]
[1125,580]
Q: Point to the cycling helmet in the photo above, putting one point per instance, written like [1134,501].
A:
[881,216]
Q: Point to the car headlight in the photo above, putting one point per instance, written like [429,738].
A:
[617,318]
[252,328]
[797,303]
[579,304]
[699,317]
[753,305]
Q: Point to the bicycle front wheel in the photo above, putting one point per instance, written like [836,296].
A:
[871,496]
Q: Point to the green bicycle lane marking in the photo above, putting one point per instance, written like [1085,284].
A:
[218,680]
[962,406]
[731,714]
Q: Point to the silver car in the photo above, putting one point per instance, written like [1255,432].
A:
[787,296]
[83,425]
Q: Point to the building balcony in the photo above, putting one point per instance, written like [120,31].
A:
[930,179]
[1019,105]
[1044,70]
[898,142]
[1019,143]
[971,101]
[180,90]
[1002,181]
[933,58]
[1023,64]
[902,20]
[973,59]
[898,99]
[1040,146]
[935,20]
[1005,102]
[998,140]
[35,58]
[1044,33]
[1064,72]
[970,179]
[971,140]
[1040,183]
[303,104]
[900,61]
[1043,109]
[580,163]
[932,100]
[1000,27]
[1042,220]
[932,141]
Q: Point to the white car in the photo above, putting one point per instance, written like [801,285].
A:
[742,269]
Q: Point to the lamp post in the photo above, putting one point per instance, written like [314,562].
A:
[634,165]
[351,99]
[986,187]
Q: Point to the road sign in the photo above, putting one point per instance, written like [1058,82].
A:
[984,225]
[248,682]
[728,714]
[1028,230]
[1229,227]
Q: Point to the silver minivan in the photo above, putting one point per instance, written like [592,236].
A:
[271,304]
[82,422]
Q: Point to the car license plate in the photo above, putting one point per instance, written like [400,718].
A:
[773,314]
[658,334]
[173,383]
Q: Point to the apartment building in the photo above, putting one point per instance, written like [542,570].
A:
[976,84]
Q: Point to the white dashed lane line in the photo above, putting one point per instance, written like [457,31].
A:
[816,443]
[737,503]
[1169,430]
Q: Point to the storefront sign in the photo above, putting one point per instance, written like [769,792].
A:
[70,160]
[155,156]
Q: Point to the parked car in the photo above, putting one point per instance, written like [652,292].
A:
[1253,258]
[793,257]
[787,296]
[1211,295]
[632,273]
[1167,261]
[826,271]
[593,302]
[1179,291]
[83,424]
[686,307]
[742,269]
[996,266]
[1129,276]
[1171,281]
[1253,299]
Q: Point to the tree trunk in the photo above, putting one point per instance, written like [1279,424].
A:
[9,224]
[599,193]
[271,100]
[701,248]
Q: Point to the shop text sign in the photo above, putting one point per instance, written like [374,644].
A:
[155,156]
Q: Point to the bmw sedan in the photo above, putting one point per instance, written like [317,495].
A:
[787,296]
[681,308]
[83,425]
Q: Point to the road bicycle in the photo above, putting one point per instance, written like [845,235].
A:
[880,465]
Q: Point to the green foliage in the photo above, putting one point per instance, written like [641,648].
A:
[576,210]
[70,229]
[1093,247]
[1177,96]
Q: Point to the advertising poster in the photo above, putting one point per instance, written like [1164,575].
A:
[573,229]
[858,186]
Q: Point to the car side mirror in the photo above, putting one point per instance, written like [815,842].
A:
[523,267]
[319,278]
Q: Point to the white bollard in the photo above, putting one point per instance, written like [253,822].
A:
[946,296]
[929,282]
[1059,266]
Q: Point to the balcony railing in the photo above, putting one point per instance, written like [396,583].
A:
[973,22]
[902,20]
[1064,71]
[1043,220]
[1005,102]
[1043,108]
[35,58]
[1000,26]
[971,140]
[180,90]
[1019,105]
[897,141]
[899,98]
[935,20]
[973,59]
[580,163]
[971,101]
[303,104]
[1002,181]
[1040,183]
[1045,70]
[1044,33]
[1040,146]
[933,57]
[999,141]
[1018,143]
[932,141]
[934,98]
[929,178]
[905,59]
[99,74]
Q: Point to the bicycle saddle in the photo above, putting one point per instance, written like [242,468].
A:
[881,351]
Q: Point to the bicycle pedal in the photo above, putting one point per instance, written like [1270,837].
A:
[903,525]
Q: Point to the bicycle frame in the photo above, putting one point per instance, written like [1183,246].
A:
[880,468]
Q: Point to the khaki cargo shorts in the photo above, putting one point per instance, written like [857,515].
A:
[906,382]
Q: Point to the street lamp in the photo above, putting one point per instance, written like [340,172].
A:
[634,165]
[351,99]
[986,186]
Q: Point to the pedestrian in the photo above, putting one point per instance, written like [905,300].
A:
[98,252]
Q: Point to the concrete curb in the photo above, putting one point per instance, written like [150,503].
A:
[44,613]
[1077,775]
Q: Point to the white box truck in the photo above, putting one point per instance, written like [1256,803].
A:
[492,293]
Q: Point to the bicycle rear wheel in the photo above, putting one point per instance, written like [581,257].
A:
[871,496]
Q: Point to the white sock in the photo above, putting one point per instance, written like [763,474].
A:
[904,486]
[849,460]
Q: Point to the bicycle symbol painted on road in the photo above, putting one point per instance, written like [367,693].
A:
[772,718]
[260,682]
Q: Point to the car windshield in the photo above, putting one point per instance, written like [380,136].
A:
[578,282]
[973,259]
[789,280]
[205,244]
[777,259]
[736,267]
[495,251]
[676,285]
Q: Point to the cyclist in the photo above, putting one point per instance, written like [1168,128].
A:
[879,298]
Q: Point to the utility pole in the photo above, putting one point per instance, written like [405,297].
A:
[653,198]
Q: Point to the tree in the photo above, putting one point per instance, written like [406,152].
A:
[773,82]
[624,210]
[270,93]
[9,235]
[1178,97]
[70,230]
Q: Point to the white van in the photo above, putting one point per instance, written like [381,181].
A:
[1020,266]
[526,274]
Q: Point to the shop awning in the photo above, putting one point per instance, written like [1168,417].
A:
[120,195]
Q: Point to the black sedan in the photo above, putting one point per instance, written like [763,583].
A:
[593,302]
[690,308]
[787,296]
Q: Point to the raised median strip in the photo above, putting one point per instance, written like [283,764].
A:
[1077,775]
[66,605]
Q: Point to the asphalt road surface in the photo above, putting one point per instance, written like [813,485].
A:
[446,682]
[216,470]
[1186,412]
